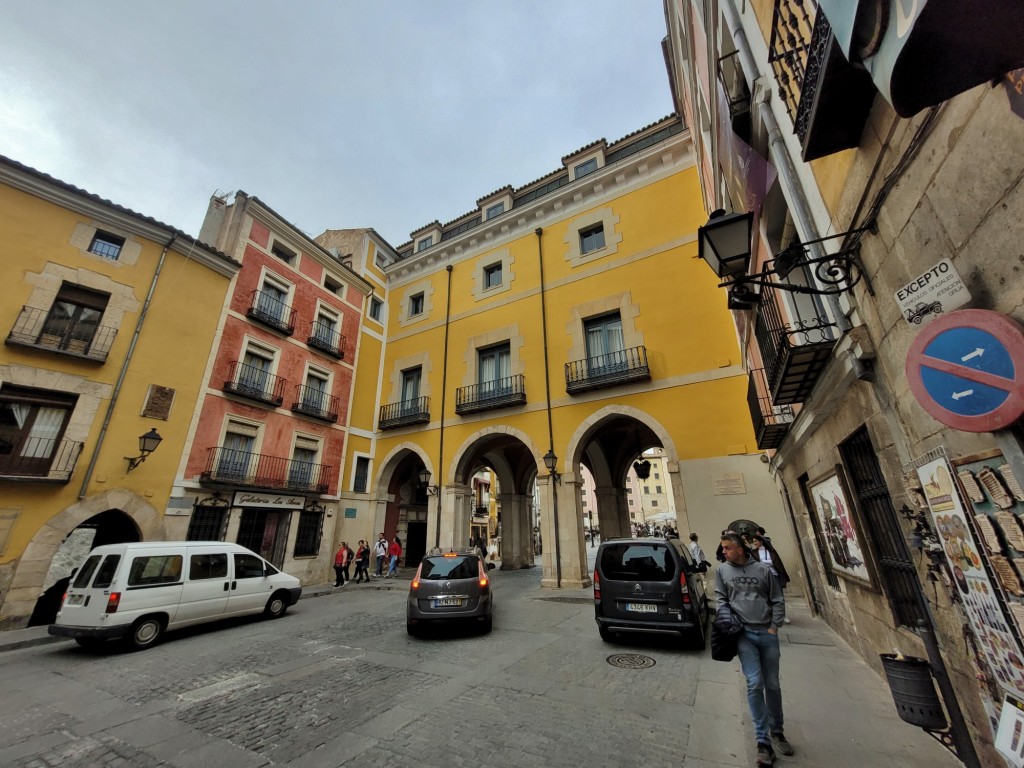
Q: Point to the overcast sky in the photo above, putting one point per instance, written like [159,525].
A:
[382,113]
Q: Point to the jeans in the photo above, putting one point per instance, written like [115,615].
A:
[380,565]
[394,565]
[759,659]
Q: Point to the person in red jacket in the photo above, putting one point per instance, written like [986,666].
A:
[339,565]
[395,550]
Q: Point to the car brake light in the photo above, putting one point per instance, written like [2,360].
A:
[416,578]
[450,554]
[483,575]
[64,599]
[113,601]
[597,585]
[685,589]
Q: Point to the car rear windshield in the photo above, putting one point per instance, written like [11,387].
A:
[105,575]
[459,567]
[88,569]
[637,562]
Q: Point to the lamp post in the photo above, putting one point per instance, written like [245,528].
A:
[147,444]
[550,462]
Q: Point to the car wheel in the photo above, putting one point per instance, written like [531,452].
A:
[606,634]
[90,643]
[276,605]
[485,625]
[145,632]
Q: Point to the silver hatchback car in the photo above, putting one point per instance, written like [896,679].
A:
[450,587]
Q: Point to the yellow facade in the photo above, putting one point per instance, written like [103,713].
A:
[99,367]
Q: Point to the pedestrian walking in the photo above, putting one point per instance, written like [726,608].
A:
[762,549]
[339,566]
[760,532]
[395,551]
[755,596]
[380,551]
[361,551]
[697,554]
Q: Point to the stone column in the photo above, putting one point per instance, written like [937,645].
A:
[679,498]
[613,511]
[515,531]
[456,513]
[573,559]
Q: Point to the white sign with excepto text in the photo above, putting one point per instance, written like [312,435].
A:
[937,291]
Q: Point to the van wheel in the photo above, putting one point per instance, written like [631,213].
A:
[276,605]
[145,632]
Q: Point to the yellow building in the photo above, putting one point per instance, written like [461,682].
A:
[110,316]
[567,323]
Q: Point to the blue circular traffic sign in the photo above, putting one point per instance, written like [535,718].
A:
[966,370]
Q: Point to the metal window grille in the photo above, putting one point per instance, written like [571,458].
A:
[362,474]
[207,524]
[307,540]
[106,245]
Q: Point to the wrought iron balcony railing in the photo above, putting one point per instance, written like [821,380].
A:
[610,370]
[229,466]
[326,339]
[40,459]
[827,97]
[316,403]
[272,311]
[491,394]
[255,383]
[771,422]
[415,411]
[795,351]
[76,339]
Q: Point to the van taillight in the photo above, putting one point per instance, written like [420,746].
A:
[683,588]
[63,599]
[597,585]
[113,601]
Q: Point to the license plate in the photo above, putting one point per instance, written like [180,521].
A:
[642,607]
[76,599]
[447,602]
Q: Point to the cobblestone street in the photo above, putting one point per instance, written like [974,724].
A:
[337,681]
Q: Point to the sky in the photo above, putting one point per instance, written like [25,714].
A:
[337,114]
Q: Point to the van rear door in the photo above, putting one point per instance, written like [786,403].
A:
[86,600]
[205,593]
[639,582]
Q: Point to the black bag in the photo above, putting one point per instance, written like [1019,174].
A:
[724,647]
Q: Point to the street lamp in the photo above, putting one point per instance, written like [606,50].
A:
[725,244]
[425,482]
[147,444]
[551,461]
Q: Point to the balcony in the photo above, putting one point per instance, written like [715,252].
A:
[734,84]
[771,422]
[416,411]
[326,339]
[272,312]
[80,340]
[491,394]
[228,466]
[827,97]
[622,367]
[316,403]
[795,352]
[40,460]
[255,384]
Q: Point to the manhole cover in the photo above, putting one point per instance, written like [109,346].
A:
[631,661]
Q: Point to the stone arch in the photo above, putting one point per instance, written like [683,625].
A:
[458,467]
[578,440]
[394,457]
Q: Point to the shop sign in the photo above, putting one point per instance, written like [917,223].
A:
[937,291]
[268,500]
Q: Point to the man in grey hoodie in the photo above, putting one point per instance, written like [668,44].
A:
[755,596]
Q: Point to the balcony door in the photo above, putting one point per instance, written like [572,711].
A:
[495,370]
[411,390]
[32,424]
[272,300]
[236,457]
[254,377]
[73,319]
[605,348]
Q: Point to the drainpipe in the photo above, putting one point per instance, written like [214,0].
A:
[547,389]
[778,152]
[124,369]
[444,391]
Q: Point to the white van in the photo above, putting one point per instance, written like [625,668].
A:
[139,590]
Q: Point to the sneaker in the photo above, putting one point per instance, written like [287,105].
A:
[344,584]
[765,754]
[784,747]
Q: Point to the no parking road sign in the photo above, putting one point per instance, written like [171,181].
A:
[967,370]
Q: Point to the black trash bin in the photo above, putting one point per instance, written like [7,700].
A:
[913,691]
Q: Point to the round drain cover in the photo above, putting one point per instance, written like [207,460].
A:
[631,661]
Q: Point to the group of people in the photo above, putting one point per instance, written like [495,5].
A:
[383,551]
[749,583]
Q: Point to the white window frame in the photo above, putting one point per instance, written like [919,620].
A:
[380,309]
[495,210]
[277,242]
[424,242]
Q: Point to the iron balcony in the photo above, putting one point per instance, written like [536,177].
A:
[613,369]
[326,339]
[316,403]
[415,411]
[272,312]
[233,467]
[255,384]
[491,394]
[771,422]
[81,340]
[41,460]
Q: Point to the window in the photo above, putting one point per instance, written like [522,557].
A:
[325,329]
[495,210]
[307,541]
[647,489]
[272,300]
[416,305]
[605,351]
[592,238]
[584,502]
[32,423]
[314,394]
[632,515]
[426,242]
[284,254]
[376,305]
[150,570]
[654,502]
[248,567]
[362,474]
[411,387]
[458,567]
[236,455]
[211,566]
[302,471]
[254,372]
[629,490]
[73,319]
[492,276]
[379,259]
[84,575]
[657,476]
[495,369]
[106,245]
[657,489]
[636,562]
[631,502]
[333,285]
[584,168]
[105,575]
[207,524]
